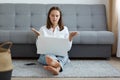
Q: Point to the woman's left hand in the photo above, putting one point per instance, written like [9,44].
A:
[72,34]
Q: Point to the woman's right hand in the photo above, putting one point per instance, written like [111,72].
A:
[35,31]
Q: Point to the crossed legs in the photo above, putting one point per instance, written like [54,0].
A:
[52,65]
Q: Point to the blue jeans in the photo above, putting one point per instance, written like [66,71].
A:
[61,59]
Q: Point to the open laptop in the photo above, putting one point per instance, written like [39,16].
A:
[50,45]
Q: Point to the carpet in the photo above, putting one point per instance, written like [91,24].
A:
[74,69]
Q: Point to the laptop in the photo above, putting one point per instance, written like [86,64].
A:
[51,45]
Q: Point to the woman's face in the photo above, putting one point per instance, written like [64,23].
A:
[54,17]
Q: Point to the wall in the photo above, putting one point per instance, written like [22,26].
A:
[56,1]
[118,45]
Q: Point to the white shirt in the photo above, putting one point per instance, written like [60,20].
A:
[44,32]
[57,33]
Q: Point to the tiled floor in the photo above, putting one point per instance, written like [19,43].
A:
[114,61]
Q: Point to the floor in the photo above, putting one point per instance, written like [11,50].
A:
[114,61]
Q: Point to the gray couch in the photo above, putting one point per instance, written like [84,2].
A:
[94,41]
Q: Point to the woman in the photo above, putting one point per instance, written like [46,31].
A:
[54,28]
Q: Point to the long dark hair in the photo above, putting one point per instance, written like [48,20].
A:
[60,22]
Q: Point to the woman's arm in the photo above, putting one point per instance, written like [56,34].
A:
[72,34]
[35,31]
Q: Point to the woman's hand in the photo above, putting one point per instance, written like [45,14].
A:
[35,31]
[72,34]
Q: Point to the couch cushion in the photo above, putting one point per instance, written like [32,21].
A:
[84,37]
[94,37]
[21,36]
[18,36]
[4,35]
[75,16]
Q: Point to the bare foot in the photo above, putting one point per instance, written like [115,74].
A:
[52,62]
[53,70]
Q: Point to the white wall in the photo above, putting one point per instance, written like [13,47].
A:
[118,48]
[56,1]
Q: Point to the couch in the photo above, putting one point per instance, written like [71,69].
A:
[94,40]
